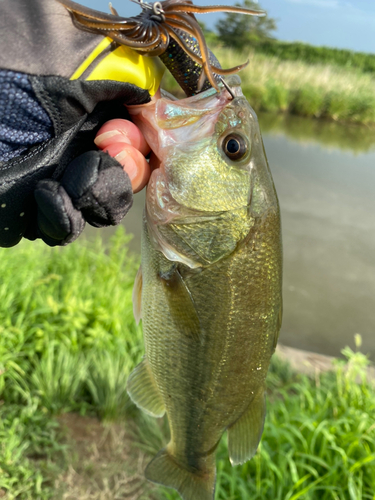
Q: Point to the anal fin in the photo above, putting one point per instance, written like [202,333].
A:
[245,434]
[191,485]
[144,392]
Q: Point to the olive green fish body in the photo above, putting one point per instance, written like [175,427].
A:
[211,289]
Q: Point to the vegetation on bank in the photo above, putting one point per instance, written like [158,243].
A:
[298,51]
[68,342]
[292,51]
[295,87]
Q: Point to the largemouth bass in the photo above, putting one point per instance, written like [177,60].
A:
[209,288]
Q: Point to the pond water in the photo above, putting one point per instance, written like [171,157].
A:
[325,178]
[326,187]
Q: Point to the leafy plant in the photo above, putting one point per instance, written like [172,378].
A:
[57,379]
[106,383]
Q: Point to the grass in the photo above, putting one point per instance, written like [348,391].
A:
[66,318]
[60,309]
[29,452]
[296,87]
[68,342]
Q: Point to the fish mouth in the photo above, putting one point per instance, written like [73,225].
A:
[165,111]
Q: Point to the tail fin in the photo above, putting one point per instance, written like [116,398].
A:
[191,486]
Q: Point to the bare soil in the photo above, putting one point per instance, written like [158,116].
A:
[104,463]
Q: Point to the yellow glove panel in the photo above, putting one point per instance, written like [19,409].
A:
[121,64]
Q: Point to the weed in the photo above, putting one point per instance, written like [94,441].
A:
[308,101]
[57,378]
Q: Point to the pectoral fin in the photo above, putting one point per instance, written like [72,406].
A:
[181,304]
[244,435]
[144,392]
[137,296]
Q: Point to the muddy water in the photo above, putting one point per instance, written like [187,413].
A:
[325,178]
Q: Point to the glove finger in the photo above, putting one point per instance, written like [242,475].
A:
[59,222]
[99,188]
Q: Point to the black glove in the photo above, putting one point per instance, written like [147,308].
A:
[94,188]
[51,181]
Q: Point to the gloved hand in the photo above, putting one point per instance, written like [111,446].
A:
[58,85]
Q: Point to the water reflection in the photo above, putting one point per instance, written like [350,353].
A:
[325,178]
[355,138]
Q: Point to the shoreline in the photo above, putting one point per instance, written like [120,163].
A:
[310,363]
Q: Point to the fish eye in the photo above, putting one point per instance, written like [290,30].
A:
[234,146]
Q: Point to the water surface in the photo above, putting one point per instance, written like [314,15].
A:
[327,197]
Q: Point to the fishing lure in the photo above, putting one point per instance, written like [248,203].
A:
[167,29]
